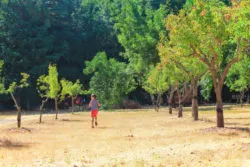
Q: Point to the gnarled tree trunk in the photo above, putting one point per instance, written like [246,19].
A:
[19,111]
[19,119]
[158,102]
[56,107]
[41,109]
[219,108]
[170,100]
[195,100]
[180,112]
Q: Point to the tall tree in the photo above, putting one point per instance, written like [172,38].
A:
[139,28]
[238,78]
[72,90]
[156,84]
[11,89]
[191,67]
[49,87]
[111,80]
[207,30]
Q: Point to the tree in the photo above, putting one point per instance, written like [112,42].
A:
[48,87]
[72,90]
[43,91]
[238,78]
[111,80]
[137,25]
[176,81]
[2,86]
[156,84]
[191,67]
[207,30]
[206,86]
[11,89]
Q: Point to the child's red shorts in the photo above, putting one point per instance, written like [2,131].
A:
[94,113]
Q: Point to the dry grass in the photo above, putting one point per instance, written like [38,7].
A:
[143,138]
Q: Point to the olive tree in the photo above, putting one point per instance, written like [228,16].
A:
[206,30]
[156,84]
[48,87]
[71,90]
[11,89]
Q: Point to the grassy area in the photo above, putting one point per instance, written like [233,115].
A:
[143,138]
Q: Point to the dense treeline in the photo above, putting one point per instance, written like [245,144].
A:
[36,33]
[69,32]
[116,47]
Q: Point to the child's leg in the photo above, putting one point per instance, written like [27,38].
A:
[93,122]
[96,121]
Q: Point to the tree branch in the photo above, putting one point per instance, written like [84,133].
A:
[186,95]
[181,66]
[224,74]
[204,60]
[14,99]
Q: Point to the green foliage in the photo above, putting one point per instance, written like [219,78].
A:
[237,17]
[2,87]
[204,32]
[43,86]
[139,27]
[157,81]
[180,58]
[48,85]
[53,81]
[238,78]
[206,85]
[111,80]
[71,89]
[23,83]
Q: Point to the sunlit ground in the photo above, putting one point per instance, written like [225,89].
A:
[143,138]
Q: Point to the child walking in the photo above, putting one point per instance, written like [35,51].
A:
[94,105]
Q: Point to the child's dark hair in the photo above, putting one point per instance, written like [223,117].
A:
[93,95]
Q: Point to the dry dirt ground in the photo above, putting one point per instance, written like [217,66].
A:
[128,138]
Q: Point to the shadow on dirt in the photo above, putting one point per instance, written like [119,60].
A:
[72,120]
[6,143]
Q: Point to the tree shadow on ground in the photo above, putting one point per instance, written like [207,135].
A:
[226,123]
[6,143]
[242,129]
[236,123]
[21,130]
[72,120]
[206,120]
[102,127]
[240,118]
[209,108]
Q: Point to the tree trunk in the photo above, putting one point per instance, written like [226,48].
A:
[158,103]
[180,114]
[41,112]
[195,101]
[19,111]
[41,109]
[241,98]
[219,108]
[170,101]
[72,105]
[170,108]
[56,107]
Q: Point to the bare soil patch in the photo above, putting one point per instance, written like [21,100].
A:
[143,138]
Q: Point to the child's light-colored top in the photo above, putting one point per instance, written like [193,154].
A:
[94,105]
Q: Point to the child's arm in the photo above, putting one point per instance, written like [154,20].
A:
[90,103]
[99,104]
